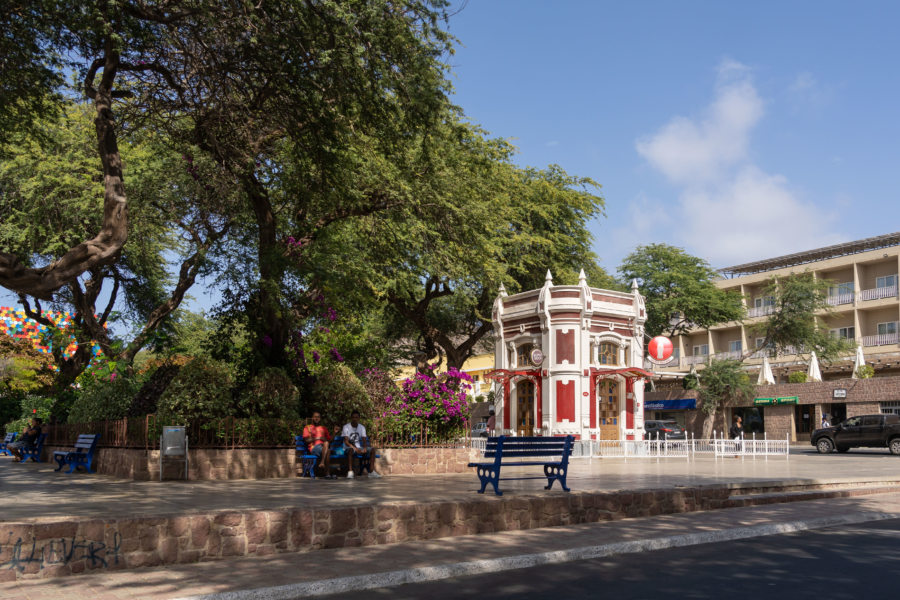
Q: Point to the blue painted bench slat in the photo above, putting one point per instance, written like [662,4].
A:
[34,453]
[502,447]
[10,438]
[81,456]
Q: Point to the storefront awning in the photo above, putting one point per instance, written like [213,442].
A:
[680,404]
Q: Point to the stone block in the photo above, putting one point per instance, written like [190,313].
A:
[200,529]
[256,524]
[230,519]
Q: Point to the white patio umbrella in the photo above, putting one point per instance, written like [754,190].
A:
[813,373]
[859,362]
[765,373]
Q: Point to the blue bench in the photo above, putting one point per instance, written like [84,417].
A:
[309,462]
[34,453]
[502,447]
[10,438]
[81,456]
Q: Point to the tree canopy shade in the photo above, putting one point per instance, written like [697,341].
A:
[246,83]
[679,290]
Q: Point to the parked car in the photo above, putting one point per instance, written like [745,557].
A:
[480,430]
[663,430]
[865,431]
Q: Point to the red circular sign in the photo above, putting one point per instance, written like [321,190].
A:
[660,348]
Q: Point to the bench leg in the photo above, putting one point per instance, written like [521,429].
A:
[553,473]
[61,461]
[487,476]
[309,464]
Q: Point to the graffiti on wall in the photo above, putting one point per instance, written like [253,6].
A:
[60,551]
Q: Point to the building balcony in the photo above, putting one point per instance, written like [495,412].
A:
[700,359]
[879,293]
[884,339]
[839,299]
[760,311]
[733,354]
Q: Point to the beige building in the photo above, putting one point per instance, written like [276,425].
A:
[866,310]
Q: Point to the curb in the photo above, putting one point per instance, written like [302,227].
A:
[479,567]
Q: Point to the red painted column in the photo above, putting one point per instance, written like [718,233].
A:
[506,404]
[629,405]
[593,413]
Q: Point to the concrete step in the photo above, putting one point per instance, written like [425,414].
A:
[799,495]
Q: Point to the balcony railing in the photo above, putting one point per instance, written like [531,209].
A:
[700,359]
[838,299]
[882,339]
[760,311]
[735,354]
[763,352]
[878,293]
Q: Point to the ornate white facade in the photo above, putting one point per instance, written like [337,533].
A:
[568,361]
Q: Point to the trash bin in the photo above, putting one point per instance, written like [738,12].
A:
[173,445]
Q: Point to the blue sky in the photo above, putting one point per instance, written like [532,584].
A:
[735,130]
[738,131]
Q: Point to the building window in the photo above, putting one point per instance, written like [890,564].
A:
[886,282]
[523,356]
[840,289]
[676,353]
[887,328]
[890,408]
[763,301]
[608,354]
[735,346]
[701,350]
[844,333]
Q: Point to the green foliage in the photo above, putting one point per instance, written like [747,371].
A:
[797,377]
[23,370]
[104,397]
[865,371]
[679,290]
[270,394]
[793,324]
[691,381]
[29,407]
[724,382]
[337,393]
[201,392]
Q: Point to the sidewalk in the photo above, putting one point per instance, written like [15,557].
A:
[286,576]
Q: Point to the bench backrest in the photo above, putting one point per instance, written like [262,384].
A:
[519,447]
[10,437]
[86,442]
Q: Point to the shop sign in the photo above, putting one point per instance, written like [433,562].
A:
[763,401]
[787,400]
[839,393]
[680,404]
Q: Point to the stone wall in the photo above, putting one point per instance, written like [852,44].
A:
[67,547]
[213,464]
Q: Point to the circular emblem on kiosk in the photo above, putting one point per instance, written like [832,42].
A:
[536,356]
[659,350]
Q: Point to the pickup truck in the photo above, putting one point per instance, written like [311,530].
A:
[869,431]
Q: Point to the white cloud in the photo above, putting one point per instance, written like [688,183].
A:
[730,210]
[692,152]
[805,93]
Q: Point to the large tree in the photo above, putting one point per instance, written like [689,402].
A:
[679,290]
[273,92]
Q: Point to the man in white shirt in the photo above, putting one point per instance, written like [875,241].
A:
[355,440]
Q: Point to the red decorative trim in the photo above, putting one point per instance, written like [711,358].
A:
[565,294]
[565,346]
[565,401]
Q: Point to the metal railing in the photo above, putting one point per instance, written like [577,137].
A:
[838,299]
[700,359]
[878,293]
[760,311]
[686,449]
[882,339]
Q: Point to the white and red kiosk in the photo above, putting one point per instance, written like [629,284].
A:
[568,361]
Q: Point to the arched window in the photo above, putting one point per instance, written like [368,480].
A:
[608,354]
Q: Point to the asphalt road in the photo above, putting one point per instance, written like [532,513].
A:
[848,562]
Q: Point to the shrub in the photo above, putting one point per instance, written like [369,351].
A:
[104,397]
[338,392]
[31,406]
[199,393]
[865,371]
[797,377]
[270,394]
[435,402]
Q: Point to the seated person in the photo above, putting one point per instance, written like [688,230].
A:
[318,440]
[27,440]
[354,434]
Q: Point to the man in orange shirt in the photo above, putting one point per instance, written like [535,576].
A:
[318,439]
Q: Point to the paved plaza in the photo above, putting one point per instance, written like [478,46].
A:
[42,492]
[55,496]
